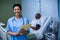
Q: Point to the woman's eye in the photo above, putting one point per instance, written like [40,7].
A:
[18,9]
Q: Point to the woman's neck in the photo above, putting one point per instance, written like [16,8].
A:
[17,17]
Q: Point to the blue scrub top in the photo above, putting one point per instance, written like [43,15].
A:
[14,25]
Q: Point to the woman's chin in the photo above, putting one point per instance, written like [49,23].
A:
[17,14]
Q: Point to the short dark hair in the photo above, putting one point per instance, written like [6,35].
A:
[38,14]
[18,6]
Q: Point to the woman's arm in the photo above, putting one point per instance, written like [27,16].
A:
[12,33]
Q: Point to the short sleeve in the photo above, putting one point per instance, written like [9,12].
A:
[8,27]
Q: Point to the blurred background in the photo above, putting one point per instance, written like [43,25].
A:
[30,8]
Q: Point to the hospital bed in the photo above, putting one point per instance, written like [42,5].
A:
[3,33]
[44,27]
[46,22]
[49,23]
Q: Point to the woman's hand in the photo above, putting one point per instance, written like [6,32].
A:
[17,34]
[23,31]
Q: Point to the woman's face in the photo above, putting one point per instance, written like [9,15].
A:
[17,11]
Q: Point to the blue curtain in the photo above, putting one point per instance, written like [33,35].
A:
[59,19]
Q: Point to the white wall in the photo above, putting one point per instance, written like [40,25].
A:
[30,8]
[49,8]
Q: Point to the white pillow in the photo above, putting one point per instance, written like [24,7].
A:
[43,20]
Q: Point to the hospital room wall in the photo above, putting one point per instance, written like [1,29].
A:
[6,9]
[46,7]
[30,8]
[49,8]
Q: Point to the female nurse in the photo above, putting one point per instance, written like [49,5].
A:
[15,23]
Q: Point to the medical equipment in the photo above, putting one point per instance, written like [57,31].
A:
[50,36]
[3,33]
